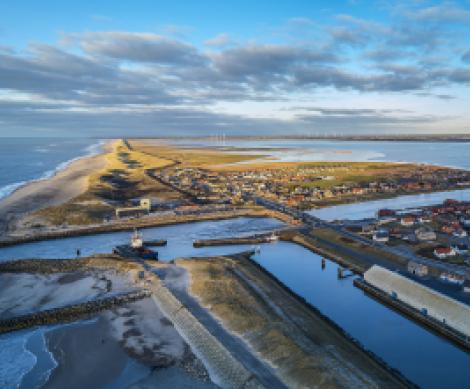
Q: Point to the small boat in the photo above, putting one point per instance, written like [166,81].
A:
[136,249]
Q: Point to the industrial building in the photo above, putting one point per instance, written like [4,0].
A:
[429,302]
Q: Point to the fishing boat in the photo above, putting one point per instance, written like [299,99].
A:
[136,249]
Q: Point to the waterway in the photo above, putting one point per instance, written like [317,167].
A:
[368,209]
[423,357]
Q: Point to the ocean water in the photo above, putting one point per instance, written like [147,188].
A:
[27,159]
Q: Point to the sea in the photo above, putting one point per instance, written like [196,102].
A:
[23,160]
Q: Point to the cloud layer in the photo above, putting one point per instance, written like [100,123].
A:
[99,82]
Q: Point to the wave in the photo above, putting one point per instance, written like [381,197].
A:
[89,151]
[15,359]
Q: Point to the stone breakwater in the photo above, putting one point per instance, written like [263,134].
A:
[223,368]
[69,313]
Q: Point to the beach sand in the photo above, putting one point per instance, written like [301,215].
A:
[131,345]
[65,185]
[88,355]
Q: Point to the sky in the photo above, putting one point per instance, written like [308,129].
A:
[197,68]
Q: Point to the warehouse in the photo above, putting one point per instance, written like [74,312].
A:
[430,302]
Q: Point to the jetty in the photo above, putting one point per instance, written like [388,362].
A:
[253,239]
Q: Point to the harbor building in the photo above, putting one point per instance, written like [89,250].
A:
[429,302]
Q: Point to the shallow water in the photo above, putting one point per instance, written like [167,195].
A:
[454,154]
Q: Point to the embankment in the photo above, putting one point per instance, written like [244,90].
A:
[223,368]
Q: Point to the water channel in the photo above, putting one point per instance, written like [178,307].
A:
[426,359]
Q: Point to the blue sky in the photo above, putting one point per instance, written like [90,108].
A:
[111,68]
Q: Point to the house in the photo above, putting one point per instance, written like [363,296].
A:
[444,252]
[408,221]
[385,213]
[417,269]
[425,219]
[424,234]
[381,236]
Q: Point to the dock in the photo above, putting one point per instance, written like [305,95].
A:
[253,239]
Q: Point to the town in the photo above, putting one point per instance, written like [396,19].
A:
[309,185]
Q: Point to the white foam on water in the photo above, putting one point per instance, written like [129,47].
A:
[91,150]
[15,359]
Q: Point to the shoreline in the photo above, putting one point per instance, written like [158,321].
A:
[101,146]
[62,186]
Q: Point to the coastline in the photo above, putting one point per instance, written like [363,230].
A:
[64,185]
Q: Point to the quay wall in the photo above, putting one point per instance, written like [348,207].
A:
[310,244]
[254,239]
[443,308]
[434,325]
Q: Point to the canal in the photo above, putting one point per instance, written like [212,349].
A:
[424,358]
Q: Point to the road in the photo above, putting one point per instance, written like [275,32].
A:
[314,222]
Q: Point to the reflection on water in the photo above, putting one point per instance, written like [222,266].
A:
[453,154]
[424,358]
[368,209]
[180,239]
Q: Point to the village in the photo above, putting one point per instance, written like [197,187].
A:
[438,232]
[305,187]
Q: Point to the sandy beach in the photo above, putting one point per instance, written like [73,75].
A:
[65,185]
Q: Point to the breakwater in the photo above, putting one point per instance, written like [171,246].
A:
[70,313]
[225,370]
[408,311]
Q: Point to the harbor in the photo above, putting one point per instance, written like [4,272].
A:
[295,267]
